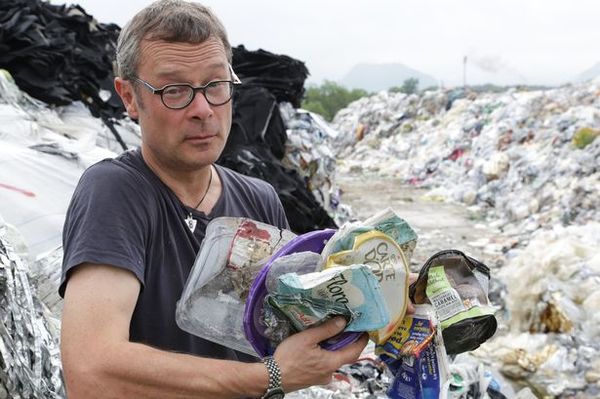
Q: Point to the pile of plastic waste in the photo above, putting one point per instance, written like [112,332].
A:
[29,353]
[528,164]
[482,149]
[308,151]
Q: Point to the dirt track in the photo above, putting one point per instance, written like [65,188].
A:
[439,225]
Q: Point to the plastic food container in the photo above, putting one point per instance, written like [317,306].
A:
[313,241]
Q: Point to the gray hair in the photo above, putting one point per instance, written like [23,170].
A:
[169,20]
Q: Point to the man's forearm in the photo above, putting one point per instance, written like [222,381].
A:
[131,370]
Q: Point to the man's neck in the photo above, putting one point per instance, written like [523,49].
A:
[188,185]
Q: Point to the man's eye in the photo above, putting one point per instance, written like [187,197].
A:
[176,91]
[217,87]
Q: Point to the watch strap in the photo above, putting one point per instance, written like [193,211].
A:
[274,377]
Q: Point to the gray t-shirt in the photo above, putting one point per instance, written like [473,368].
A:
[123,215]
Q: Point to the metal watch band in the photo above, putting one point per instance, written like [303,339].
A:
[274,378]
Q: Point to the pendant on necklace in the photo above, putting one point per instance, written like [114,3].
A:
[190,222]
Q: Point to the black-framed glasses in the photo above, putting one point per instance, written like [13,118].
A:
[180,95]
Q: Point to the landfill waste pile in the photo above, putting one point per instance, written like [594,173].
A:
[528,164]
[482,149]
[59,54]
[308,151]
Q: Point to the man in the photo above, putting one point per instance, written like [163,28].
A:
[136,222]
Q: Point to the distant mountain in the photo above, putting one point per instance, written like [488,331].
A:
[376,77]
[588,74]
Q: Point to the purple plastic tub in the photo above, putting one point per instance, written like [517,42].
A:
[314,242]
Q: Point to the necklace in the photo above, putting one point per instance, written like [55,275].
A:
[189,220]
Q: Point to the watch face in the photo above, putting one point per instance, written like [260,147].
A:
[275,393]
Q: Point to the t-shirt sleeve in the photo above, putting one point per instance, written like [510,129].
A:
[108,221]
[278,212]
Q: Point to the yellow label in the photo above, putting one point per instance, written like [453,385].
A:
[387,262]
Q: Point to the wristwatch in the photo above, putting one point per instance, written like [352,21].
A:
[274,390]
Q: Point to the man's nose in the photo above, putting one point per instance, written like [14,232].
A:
[199,106]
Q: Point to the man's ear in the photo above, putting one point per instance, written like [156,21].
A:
[126,92]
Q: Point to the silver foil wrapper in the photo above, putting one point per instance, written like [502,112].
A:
[30,364]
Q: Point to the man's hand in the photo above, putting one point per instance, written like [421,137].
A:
[304,363]
[412,277]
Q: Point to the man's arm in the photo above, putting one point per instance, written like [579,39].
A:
[99,361]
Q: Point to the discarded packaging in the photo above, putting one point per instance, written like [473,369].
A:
[457,287]
[416,357]
[377,243]
[355,288]
[231,255]
[257,333]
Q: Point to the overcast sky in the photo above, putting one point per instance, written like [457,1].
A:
[505,41]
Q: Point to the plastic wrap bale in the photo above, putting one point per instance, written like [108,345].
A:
[233,251]
[60,54]
[43,153]
[281,75]
[45,275]
[69,130]
[29,354]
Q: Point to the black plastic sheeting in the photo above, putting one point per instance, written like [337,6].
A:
[255,147]
[61,54]
[281,75]
[257,140]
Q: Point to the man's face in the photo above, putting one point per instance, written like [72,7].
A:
[180,139]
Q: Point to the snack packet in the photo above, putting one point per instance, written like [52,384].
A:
[354,287]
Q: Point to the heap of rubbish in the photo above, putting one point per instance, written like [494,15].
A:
[30,364]
[483,148]
[526,163]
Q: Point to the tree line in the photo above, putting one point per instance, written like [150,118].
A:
[329,97]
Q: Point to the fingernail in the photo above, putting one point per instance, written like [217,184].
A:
[340,322]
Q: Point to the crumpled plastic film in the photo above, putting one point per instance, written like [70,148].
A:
[45,275]
[553,301]
[308,151]
[365,379]
[29,353]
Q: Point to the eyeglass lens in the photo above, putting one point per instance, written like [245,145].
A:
[179,96]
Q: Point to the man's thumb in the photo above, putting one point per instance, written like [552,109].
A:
[328,329]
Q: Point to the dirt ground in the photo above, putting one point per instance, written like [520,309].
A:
[439,225]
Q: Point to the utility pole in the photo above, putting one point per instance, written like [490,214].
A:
[465,72]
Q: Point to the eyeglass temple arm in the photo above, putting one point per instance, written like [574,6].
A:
[236,80]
